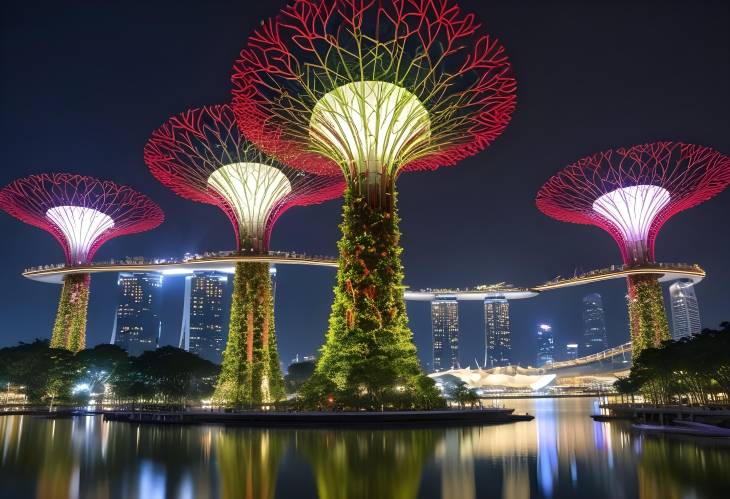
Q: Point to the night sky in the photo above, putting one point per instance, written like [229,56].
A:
[83,85]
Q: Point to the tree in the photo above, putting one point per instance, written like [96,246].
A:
[462,395]
[691,370]
[102,366]
[299,373]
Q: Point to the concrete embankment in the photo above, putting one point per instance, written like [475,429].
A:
[666,413]
[324,419]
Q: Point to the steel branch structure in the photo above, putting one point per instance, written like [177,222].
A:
[372,88]
[201,155]
[367,89]
[630,193]
[81,213]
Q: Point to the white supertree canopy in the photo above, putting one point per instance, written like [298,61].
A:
[632,210]
[252,190]
[81,227]
[372,125]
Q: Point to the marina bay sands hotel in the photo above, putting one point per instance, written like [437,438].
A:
[445,322]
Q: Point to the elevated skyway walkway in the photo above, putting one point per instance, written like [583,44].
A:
[223,261]
[666,272]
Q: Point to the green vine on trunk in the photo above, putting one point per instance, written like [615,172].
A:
[647,316]
[69,329]
[250,373]
[369,357]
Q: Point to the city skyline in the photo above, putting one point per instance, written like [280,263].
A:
[502,182]
[685,310]
[204,318]
[594,324]
[137,323]
[445,330]
[497,335]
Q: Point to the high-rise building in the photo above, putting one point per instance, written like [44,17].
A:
[497,341]
[545,345]
[685,311]
[445,327]
[203,325]
[137,324]
[571,351]
[594,324]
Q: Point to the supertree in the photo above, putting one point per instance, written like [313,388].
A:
[201,155]
[82,213]
[366,90]
[630,193]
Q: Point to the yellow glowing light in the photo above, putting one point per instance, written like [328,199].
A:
[252,191]
[369,125]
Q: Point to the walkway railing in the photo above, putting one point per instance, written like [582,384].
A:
[605,354]
[187,258]
[621,270]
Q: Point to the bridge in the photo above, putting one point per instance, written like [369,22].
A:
[621,350]
[222,261]
[664,271]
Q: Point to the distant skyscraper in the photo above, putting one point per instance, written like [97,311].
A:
[137,324]
[445,327]
[594,324]
[497,342]
[571,351]
[204,321]
[545,345]
[685,311]
[272,273]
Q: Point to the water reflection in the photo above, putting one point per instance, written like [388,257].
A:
[562,453]
[361,464]
[248,461]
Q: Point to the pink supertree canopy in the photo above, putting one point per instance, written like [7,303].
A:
[631,192]
[338,84]
[82,213]
[201,155]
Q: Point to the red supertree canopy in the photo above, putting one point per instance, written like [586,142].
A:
[631,192]
[412,85]
[201,155]
[82,213]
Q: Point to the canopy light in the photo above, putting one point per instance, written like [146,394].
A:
[632,210]
[373,124]
[81,227]
[251,190]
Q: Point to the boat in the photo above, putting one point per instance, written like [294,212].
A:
[721,431]
[693,429]
[610,417]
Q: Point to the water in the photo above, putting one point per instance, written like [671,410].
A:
[562,453]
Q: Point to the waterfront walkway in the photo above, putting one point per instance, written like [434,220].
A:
[668,413]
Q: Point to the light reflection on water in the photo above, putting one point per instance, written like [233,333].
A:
[562,453]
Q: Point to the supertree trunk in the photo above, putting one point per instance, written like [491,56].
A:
[647,317]
[69,330]
[369,346]
[250,374]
